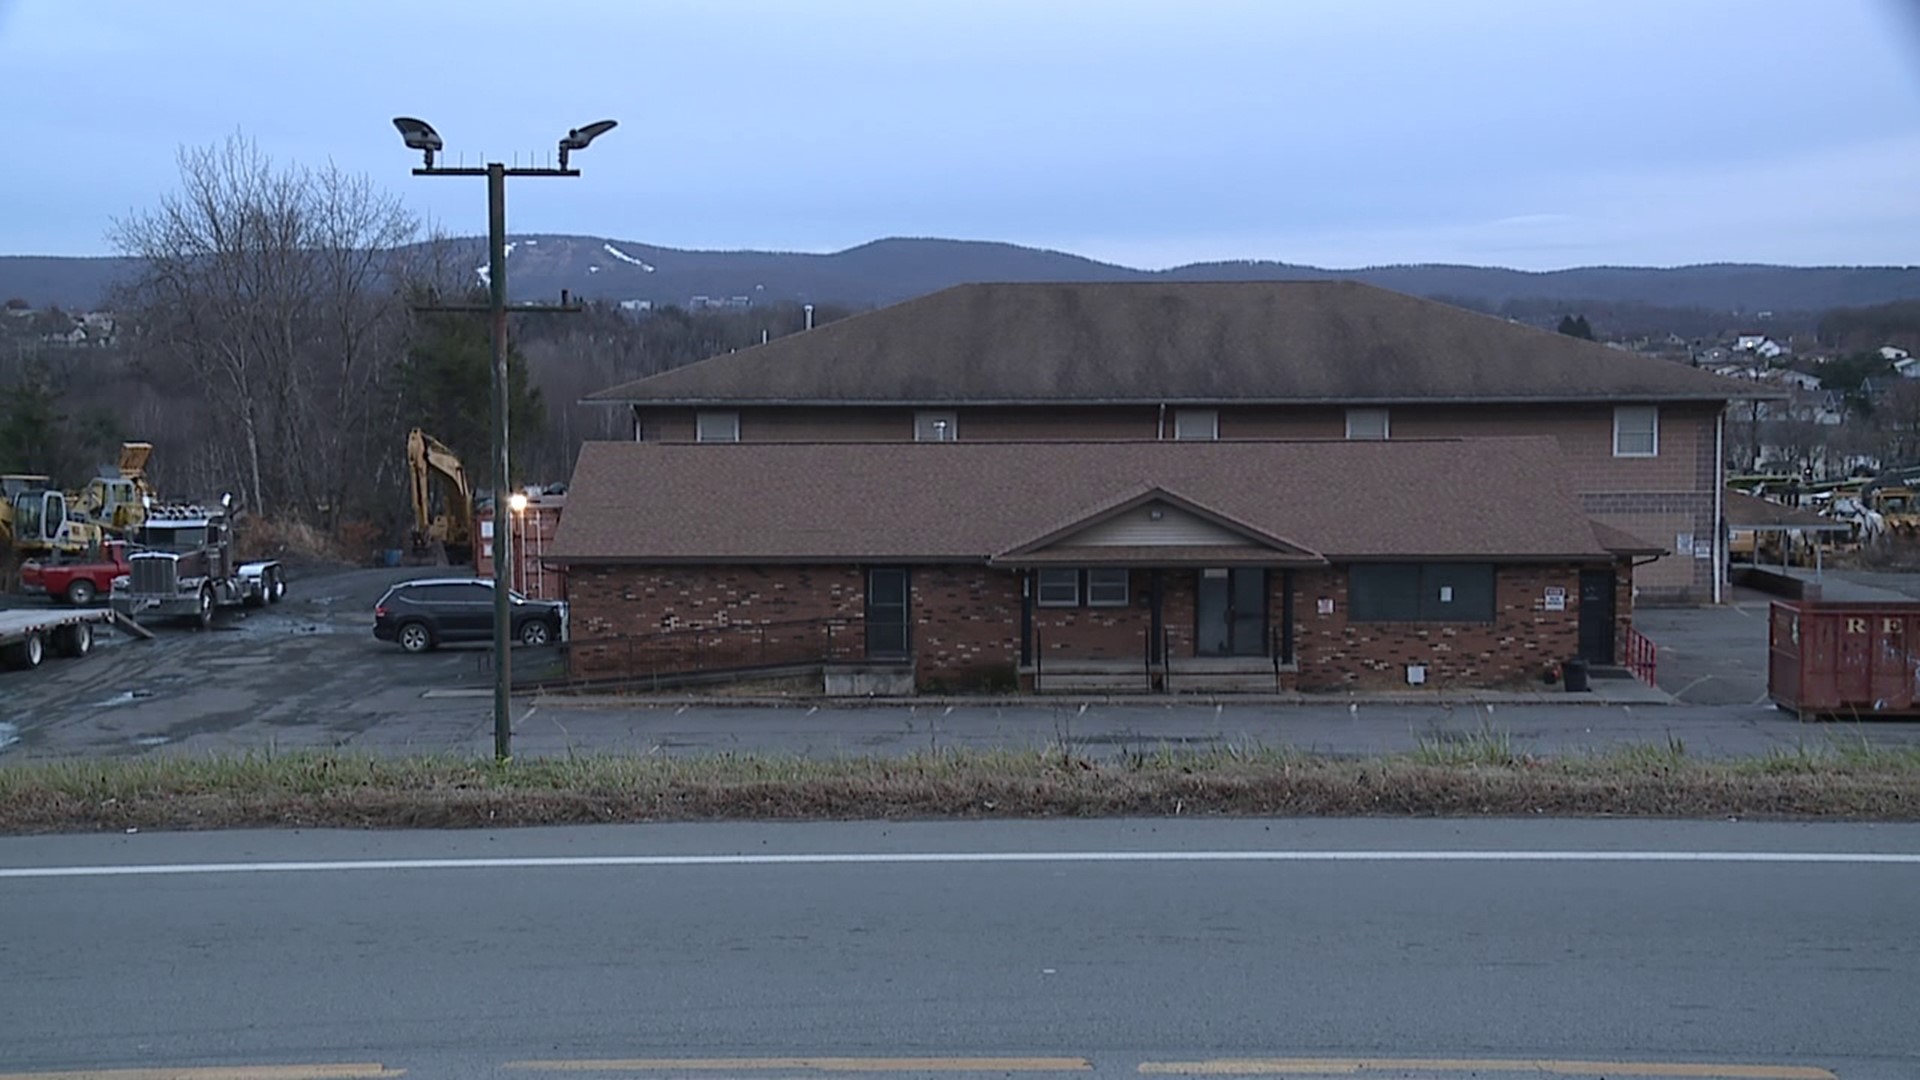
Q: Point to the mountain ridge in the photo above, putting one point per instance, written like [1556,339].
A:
[891,269]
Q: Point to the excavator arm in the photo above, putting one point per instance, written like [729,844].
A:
[427,456]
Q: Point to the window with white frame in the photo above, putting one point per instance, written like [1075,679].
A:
[717,427]
[1366,423]
[1196,424]
[935,427]
[1058,588]
[1636,431]
[1107,587]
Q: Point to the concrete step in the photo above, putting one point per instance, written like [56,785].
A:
[1104,682]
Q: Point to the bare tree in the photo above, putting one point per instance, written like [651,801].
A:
[275,290]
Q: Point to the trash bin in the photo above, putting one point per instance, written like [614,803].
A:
[1574,673]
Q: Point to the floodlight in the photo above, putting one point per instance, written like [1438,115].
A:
[419,135]
[578,138]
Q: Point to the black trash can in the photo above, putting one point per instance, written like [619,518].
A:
[1574,673]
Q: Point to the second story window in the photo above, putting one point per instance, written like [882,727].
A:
[1196,424]
[1636,431]
[1366,423]
[717,427]
[935,427]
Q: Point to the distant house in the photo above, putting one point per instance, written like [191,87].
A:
[1893,353]
[1907,367]
[1747,342]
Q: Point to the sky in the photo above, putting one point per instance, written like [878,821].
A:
[1536,134]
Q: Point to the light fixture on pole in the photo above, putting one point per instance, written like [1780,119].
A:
[420,135]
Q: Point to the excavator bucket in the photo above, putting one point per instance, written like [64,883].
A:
[133,458]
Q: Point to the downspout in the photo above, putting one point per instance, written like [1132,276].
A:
[1720,552]
[1161,431]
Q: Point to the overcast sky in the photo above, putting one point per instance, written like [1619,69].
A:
[1527,133]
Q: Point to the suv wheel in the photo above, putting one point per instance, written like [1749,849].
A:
[536,632]
[414,637]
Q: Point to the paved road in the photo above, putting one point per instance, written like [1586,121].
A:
[1128,948]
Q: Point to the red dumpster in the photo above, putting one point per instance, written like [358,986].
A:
[1842,659]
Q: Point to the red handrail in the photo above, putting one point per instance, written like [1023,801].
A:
[1643,656]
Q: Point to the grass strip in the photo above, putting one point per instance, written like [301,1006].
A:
[1471,777]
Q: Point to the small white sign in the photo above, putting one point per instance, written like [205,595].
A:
[1556,603]
[1683,543]
[1446,594]
[1326,605]
[1702,551]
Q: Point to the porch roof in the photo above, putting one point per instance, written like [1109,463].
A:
[1165,555]
[1274,501]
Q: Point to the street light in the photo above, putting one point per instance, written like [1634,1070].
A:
[419,135]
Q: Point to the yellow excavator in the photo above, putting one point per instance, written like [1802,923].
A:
[449,532]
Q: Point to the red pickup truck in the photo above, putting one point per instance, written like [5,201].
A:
[83,582]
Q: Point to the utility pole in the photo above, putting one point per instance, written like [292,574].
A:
[420,136]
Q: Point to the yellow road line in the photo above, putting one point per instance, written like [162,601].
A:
[344,1071]
[1349,1066]
[813,1065]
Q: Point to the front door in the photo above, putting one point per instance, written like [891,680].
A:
[1596,616]
[1231,613]
[886,613]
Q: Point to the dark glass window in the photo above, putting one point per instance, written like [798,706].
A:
[1420,592]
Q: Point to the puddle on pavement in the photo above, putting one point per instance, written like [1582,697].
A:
[9,734]
[124,697]
[152,740]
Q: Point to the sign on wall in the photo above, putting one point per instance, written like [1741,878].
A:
[1556,598]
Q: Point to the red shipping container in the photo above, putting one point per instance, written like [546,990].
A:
[1841,659]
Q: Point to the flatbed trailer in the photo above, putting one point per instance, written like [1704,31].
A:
[28,634]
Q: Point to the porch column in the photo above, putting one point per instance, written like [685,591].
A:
[1026,618]
[1286,616]
[1156,629]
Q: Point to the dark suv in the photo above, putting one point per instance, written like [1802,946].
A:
[424,613]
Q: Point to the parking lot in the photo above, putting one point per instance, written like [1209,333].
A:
[308,673]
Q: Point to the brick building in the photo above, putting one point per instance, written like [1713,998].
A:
[1639,437]
[1176,564]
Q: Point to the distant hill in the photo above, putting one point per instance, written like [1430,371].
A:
[887,271]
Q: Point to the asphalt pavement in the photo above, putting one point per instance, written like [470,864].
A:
[309,674]
[1407,948]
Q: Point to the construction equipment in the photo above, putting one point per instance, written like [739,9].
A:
[117,504]
[37,519]
[1899,507]
[450,532]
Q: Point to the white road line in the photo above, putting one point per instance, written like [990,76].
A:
[907,858]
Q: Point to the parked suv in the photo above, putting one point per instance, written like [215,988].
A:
[424,613]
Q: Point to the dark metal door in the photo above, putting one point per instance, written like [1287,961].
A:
[887,613]
[1596,616]
[1230,610]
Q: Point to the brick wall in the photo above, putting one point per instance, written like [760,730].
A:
[676,617]
[966,625]
[1521,642]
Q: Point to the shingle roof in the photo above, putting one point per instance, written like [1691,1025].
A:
[1170,342]
[840,502]
[1751,512]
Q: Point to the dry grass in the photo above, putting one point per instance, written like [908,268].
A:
[278,538]
[342,790]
